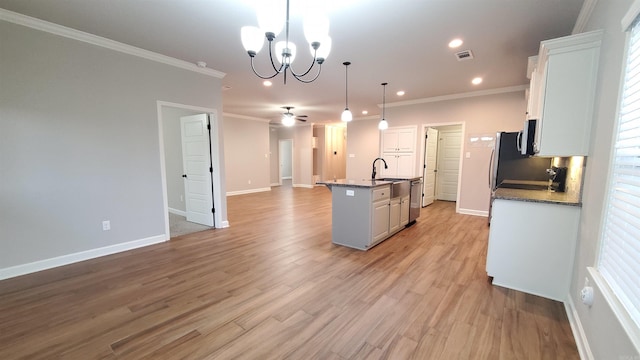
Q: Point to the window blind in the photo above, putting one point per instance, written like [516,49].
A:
[619,261]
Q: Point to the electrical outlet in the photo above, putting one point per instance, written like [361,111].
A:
[106,225]
[181,198]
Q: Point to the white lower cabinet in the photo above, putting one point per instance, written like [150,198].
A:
[394,215]
[380,221]
[532,246]
[363,217]
[405,204]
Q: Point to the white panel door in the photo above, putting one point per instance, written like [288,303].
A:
[196,160]
[448,165]
[430,162]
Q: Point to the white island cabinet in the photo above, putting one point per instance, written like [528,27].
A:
[532,246]
[562,93]
[360,215]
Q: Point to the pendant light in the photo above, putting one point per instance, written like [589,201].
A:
[346,114]
[383,124]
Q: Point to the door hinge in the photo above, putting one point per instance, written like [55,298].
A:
[208,126]
[211,169]
[213,210]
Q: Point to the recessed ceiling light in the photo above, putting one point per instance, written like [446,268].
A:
[400,93]
[364,112]
[267,83]
[476,81]
[455,43]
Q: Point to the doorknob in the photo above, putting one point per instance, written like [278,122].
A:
[184,175]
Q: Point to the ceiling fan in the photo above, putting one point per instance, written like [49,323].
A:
[288,118]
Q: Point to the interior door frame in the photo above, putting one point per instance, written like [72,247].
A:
[217,158]
[423,144]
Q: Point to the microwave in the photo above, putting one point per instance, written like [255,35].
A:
[527,138]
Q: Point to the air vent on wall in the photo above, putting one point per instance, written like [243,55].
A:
[464,55]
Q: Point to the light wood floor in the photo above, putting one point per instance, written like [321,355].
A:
[273,286]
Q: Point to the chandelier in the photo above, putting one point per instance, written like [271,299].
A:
[270,22]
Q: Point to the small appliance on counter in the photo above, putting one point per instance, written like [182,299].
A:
[557,178]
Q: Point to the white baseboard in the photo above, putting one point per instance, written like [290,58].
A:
[578,331]
[250,191]
[225,224]
[40,265]
[178,212]
[275,184]
[473,212]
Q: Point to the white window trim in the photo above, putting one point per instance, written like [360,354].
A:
[627,323]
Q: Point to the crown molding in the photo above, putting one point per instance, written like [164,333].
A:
[244,117]
[458,96]
[70,33]
[584,16]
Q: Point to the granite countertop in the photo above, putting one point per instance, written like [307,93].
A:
[541,196]
[364,183]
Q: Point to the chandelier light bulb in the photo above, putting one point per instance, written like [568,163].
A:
[271,16]
[280,46]
[316,28]
[252,38]
[383,124]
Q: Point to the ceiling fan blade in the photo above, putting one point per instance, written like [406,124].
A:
[299,119]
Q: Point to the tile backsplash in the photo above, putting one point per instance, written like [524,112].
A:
[575,169]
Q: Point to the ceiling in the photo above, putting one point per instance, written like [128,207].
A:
[402,42]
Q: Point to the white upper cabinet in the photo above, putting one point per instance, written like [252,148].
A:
[401,139]
[398,148]
[562,94]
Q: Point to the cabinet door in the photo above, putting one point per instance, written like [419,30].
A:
[380,220]
[390,140]
[525,256]
[394,215]
[405,165]
[404,211]
[407,140]
[392,165]
[568,72]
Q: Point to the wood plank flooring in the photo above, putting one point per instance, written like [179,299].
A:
[273,286]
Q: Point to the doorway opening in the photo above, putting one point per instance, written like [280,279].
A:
[285,161]
[442,162]
[190,168]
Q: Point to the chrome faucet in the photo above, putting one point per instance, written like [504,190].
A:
[373,171]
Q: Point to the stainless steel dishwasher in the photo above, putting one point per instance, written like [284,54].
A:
[416,200]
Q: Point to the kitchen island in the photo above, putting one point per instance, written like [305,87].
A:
[366,212]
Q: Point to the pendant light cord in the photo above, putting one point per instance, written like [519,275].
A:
[384,92]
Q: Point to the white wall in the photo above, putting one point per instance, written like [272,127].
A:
[247,159]
[604,334]
[485,114]
[79,144]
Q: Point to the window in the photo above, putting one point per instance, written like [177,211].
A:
[619,261]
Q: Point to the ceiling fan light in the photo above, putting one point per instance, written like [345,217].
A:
[288,120]
[252,38]
[383,125]
[346,115]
